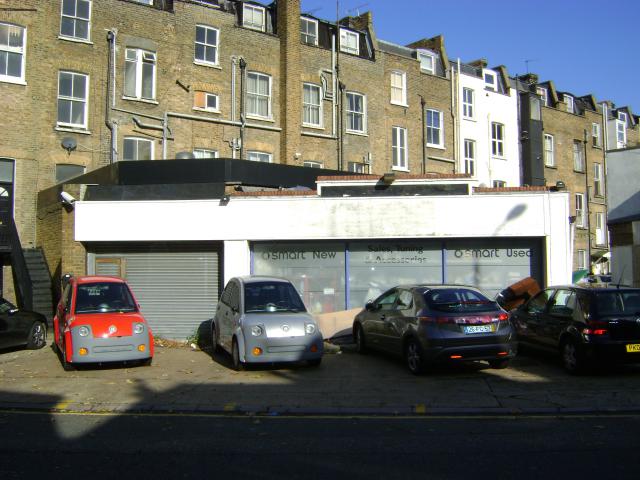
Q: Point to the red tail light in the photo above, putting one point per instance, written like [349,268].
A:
[596,328]
[503,317]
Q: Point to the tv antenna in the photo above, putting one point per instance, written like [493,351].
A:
[526,62]
[356,9]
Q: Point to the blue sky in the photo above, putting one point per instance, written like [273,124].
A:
[584,46]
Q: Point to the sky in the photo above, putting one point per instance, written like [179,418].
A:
[584,46]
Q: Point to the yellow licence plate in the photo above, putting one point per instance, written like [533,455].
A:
[633,347]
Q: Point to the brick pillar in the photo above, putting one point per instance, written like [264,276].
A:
[288,21]
[73,253]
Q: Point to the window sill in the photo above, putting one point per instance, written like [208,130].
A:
[11,80]
[255,29]
[62,128]
[578,171]
[428,72]
[262,119]
[400,169]
[495,157]
[75,40]
[551,166]
[358,133]
[207,110]
[439,147]
[315,127]
[206,64]
[469,119]
[398,104]
[141,100]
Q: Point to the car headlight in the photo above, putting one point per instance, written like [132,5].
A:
[138,328]
[256,330]
[83,331]
[309,328]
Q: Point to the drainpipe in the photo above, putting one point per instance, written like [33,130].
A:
[334,79]
[111,84]
[165,135]
[341,88]
[587,200]
[423,103]
[457,147]
[243,77]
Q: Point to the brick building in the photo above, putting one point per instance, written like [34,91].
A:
[90,83]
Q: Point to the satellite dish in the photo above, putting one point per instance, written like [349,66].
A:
[69,144]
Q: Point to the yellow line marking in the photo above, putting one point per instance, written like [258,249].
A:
[229,407]
[420,408]
[62,405]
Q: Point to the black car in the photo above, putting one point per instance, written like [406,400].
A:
[585,324]
[436,323]
[21,327]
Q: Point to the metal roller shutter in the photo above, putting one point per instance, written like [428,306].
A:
[177,287]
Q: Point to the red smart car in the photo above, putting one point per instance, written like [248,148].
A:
[98,320]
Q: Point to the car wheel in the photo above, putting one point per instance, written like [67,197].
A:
[413,356]
[315,362]
[146,362]
[499,364]
[66,366]
[361,344]
[37,336]
[215,338]
[572,359]
[235,357]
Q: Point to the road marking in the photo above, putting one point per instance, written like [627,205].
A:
[420,408]
[230,407]
[62,405]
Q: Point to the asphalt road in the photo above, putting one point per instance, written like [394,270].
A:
[36,445]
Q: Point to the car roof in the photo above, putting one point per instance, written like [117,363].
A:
[98,278]
[261,278]
[595,287]
[437,286]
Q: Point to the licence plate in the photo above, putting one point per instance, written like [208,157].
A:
[478,329]
[633,348]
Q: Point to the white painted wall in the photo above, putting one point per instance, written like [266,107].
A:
[491,107]
[246,219]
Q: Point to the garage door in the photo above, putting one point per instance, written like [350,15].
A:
[176,285]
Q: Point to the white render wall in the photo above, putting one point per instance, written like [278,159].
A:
[490,107]
[245,219]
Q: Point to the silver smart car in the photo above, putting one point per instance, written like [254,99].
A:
[263,320]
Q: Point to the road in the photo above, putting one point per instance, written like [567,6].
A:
[40,445]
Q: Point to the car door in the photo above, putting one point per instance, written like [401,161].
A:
[63,310]
[8,331]
[395,321]
[225,314]
[557,318]
[374,318]
[529,318]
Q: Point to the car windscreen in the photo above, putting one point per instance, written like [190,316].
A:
[618,302]
[458,300]
[102,297]
[271,297]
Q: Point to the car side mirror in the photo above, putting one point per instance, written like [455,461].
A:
[370,306]
[13,311]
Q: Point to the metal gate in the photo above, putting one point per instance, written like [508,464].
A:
[176,285]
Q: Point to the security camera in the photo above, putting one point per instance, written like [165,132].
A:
[67,198]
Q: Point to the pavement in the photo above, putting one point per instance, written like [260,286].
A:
[187,380]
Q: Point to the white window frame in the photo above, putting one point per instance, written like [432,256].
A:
[571,108]
[580,212]
[621,134]
[578,157]
[138,141]
[306,37]
[73,99]
[469,156]
[595,135]
[142,57]
[601,232]
[549,153]
[544,95]
[622,116]
[308,106]
[399,149]
[497,139]
[468,100]
[432,128]
[356,113]
[423,55]
[499,184]
[399,87]
[598,184]
[22,51]
[257,96]
[346,39]
[205,153]
[582,259]
[206,46]
[257,156]
[493,85]
[76,19]
[248,17]
[313,164]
